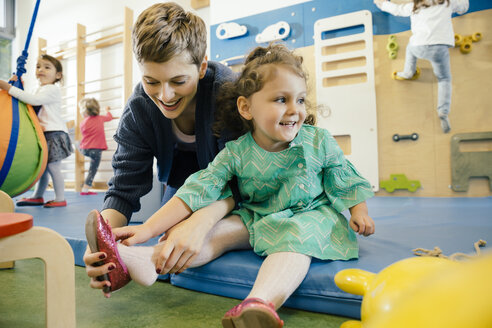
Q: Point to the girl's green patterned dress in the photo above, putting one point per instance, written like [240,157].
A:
[291,200]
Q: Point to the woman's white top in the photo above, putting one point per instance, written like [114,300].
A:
[431,25]
[49,97]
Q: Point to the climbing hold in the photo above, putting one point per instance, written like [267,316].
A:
[477,36]
[465,47]
[414,136]
[458,40]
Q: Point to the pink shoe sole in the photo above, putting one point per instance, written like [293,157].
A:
[53,203]
[100,239]
[88,193]
[252,313]
[30,202]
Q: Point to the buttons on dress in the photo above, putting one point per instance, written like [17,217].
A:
[302,186]
[300,165]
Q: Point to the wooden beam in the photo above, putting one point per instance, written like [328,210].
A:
[197,4]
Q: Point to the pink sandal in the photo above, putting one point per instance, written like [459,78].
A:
[254,313]
[101,239]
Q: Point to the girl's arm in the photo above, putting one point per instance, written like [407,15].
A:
[460,6]
[107,115]
[394,9]
[4,85]
[360,221]
[185,240]
[46,94]
[173,212]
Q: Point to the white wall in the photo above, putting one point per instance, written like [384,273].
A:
[227,10]
[57,22]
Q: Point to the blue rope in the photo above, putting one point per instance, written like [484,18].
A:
[14,134]
[21,60]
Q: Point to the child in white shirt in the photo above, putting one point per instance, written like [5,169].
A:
[48,96]
[432,35]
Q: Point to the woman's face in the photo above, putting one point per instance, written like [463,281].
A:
[172,85]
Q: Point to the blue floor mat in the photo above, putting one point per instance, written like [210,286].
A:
[402,224]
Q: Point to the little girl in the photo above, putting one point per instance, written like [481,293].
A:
[48,96]
[294,182]
[432,35]
[93,138]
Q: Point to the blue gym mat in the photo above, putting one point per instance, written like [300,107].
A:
[402,224]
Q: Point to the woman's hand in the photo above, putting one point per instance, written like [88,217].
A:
[131,235]
[92,260]
[360,221]
[183,243]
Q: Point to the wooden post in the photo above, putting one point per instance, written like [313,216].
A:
[42,45]
[197,4]
[127,55]
[80,60]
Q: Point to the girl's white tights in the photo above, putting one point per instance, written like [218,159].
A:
[279,276]
[53,169]
[228,234]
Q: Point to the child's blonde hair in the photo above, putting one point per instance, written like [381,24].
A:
[89,106]
[165,30]
[253,77]
[417,4]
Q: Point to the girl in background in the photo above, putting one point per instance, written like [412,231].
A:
[49,72]
[93,138]
[294,183]
[432,35]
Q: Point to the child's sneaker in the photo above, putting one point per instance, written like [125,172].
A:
[445,125]
[101,239]
[30,202]
[54,203]
[254,313]
[87,193]
[399,76]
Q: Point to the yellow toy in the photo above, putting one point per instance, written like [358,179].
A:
[423,292]
[392,47]
[465,43]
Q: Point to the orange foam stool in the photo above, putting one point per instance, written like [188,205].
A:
[20,240]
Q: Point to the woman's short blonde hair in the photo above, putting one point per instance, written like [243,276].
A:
[166,30]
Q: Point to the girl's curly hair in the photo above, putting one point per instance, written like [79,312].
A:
[252,79]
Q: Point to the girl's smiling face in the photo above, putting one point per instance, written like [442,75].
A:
[46,72]
[277,110]
[172,85]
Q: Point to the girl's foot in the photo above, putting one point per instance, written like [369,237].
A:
[138,260]
[254,313]
[54,203]
[87,193]
[30,202]
[100,239]
[401,76]
[445,125]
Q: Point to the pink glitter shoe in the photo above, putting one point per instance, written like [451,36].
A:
[254,313]
[101,239]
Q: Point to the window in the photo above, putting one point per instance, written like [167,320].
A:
[7,33]
[7,29]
